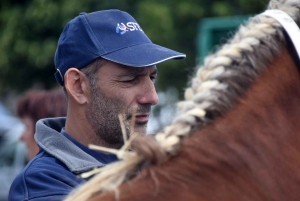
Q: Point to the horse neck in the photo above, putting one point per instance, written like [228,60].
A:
[251,153]
[255,147]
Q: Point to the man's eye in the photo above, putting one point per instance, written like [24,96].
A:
[129,81]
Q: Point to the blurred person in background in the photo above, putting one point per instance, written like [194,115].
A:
[32,106]
[35,105]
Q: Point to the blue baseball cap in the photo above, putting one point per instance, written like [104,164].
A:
[111,34]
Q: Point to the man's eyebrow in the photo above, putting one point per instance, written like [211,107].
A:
[138,71]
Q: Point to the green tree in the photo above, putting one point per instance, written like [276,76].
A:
[29,30]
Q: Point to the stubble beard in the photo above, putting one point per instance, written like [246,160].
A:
[102,115]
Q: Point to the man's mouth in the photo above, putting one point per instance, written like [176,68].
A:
[141,118]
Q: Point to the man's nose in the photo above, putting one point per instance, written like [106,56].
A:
[148,94]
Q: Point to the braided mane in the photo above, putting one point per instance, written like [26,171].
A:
[215,88]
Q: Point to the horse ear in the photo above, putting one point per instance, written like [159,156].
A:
[77,85]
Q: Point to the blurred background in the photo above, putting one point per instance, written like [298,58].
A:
[29,31]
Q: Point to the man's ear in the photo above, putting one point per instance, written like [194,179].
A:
[77,85]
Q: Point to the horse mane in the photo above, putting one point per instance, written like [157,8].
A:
[215,88]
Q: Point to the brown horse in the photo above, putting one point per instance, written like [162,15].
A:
[242,119]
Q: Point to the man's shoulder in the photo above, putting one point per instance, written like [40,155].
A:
[45,162]
[44,176]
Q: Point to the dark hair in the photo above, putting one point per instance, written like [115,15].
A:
[38,104]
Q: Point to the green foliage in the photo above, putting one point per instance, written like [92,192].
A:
[29,30]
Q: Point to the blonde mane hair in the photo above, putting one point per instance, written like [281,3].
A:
[214,90]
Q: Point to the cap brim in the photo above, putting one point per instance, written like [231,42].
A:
[142,55]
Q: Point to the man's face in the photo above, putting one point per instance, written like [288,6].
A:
[121,90]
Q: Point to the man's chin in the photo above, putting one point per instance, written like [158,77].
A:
[140,129]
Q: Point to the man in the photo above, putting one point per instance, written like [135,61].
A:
[106,64]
